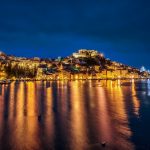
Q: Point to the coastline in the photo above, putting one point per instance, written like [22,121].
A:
[112,79]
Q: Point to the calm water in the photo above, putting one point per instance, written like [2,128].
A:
[76,115]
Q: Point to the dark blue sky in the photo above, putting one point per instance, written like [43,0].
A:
[46,28]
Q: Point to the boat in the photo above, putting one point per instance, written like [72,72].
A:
[5,81]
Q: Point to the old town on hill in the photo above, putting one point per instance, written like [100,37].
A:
[84,64]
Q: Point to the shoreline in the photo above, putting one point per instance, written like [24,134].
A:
[113,79]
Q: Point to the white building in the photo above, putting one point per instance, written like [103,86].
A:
[142,69]
[85,53]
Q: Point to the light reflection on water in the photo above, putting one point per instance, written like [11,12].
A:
[75,115]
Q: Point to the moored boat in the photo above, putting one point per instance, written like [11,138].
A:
[5,81]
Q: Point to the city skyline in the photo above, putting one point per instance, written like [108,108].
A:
[83,64]
[141,67]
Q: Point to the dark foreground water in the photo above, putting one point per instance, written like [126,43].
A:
[75,115]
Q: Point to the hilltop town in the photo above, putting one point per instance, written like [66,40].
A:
[84,64]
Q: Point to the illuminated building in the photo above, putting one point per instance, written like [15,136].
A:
[85,53]
[85,64]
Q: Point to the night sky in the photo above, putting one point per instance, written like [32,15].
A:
[118,28]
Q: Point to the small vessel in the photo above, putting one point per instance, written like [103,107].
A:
[5,81]
[39,118]
[103,144]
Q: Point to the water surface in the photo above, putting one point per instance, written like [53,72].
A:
[75,115]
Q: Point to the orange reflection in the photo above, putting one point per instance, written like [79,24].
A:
[18,134]
[25,127]
[77,118]
[121,118]
[104,117]
[1,108]
[49,118]
[49,100]
[20,101]
[104,107]
[12,100]
[63,97]
[31,99]
[31,123]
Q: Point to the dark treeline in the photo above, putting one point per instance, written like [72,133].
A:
[19,71]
